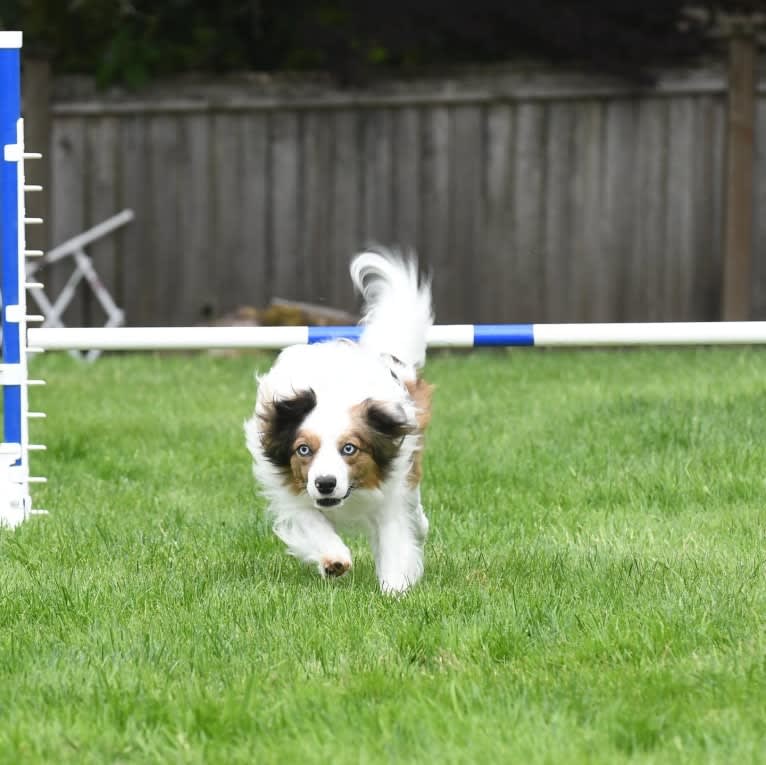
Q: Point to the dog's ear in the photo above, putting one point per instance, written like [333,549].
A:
[386,425]
[387,419]
[295,409]
[281,421]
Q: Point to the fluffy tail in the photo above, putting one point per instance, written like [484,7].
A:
[397,305]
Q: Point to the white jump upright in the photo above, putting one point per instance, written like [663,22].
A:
[15,499]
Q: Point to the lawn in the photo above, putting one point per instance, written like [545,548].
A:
[595,587]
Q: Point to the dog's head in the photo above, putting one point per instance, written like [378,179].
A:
[327,453]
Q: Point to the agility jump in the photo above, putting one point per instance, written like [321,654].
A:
[19,341]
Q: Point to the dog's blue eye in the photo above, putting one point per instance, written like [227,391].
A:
[304,450]
[348,450]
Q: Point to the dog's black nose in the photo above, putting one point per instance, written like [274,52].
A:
[325,484]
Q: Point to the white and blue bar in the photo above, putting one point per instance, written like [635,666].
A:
[439,336]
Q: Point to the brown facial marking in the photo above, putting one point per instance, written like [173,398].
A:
[420,392]
[298,475]
[380,428]
[364,471]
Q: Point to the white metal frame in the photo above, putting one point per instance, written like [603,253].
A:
[53,311]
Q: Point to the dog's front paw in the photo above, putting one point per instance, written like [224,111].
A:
[397,584]
[334,566]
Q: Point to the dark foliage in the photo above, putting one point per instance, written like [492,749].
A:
[132,41]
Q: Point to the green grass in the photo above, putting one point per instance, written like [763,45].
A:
[595,585]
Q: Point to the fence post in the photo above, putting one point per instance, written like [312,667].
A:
[738,194]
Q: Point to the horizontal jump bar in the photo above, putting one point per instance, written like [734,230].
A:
[439,336]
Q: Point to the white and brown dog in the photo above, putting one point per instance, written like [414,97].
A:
[337,433]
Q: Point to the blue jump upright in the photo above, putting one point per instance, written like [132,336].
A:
[15,501]
[10,114]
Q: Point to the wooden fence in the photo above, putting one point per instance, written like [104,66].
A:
[530,197]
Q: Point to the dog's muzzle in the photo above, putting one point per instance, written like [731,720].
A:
[326,502]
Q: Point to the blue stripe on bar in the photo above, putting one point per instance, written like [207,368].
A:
[483,334]
[503,334]
[323,334]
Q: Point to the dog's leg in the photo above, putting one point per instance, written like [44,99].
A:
[310,537]
[397,542]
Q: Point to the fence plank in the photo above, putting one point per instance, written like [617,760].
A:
[435,199]
[705,301]
[467,162]
[133,183]
[528,192]
[679,221]
[318,156]
[406,177]
[718,148]
[35,104]
[164,189]
[588,279]
[69,169]
[232,280]
[101,198]
[646,297]
[378,172]
[496,278]
[344,239]
[558,211]
[197,244]
[285,213]
[617,216]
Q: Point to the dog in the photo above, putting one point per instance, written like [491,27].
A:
[337,432]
